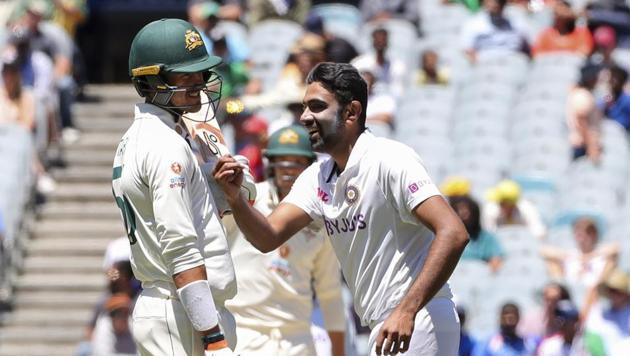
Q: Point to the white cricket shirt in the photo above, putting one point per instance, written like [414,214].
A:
[368,214]
[275,289]
[169,213]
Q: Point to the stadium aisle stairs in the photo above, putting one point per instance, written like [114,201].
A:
[62,278]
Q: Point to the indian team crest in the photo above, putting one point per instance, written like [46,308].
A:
[193,40]
[352,194]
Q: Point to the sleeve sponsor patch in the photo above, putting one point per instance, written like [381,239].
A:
[415,186]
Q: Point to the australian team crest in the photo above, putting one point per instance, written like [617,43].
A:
[289,137]
[193,40]
[352,194]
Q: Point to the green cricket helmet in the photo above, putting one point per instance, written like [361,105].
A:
[171,46]
[290,141]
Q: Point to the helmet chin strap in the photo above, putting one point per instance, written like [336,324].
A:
[180,110]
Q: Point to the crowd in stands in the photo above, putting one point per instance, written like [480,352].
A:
[40,65]
[520,108]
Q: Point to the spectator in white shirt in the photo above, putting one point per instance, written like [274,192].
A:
[381,106]
[389,72]
[491,30]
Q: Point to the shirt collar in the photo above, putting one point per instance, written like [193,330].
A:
[143,109]
[361,146]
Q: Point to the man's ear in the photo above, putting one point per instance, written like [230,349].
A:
[354,110]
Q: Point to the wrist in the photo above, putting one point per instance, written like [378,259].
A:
[214,341]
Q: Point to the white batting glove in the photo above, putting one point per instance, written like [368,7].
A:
[248,187]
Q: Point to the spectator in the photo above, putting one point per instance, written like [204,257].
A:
[337,49]
[491,30]
[564,35]
[205,16]
[483,245]
[112,335]
[381,106]
[616,105]
[605,41]
[613,321]
[378,10]
[540,322]
[506,341]
[17,101]
[292,10]
[466,342]
[587,265]
[117,250]
[455,186]
[290,87]
[51,39]
[429,71]
[506,207]
[390,72]
[571,340]
[255,132]
[583,118]
[613,13]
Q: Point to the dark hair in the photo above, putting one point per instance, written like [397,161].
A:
[345,82]
[473,227]
[588,76]
[564,292]
[380,30]
[509,306]
[619,73]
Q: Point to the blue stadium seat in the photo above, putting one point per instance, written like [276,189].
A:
[342,20]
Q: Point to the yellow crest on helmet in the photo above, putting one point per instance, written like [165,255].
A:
[288,137]
[193,40]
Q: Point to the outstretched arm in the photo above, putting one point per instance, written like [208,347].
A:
[265,233]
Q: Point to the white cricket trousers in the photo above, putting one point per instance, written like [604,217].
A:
[274,342]
[436,331]
[161,327]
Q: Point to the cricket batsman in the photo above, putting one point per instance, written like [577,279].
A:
[274,302]
[178,246]
[395,236]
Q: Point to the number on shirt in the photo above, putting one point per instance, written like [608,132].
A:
[129,218]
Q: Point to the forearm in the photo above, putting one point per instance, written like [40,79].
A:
[337,341]
[444,254]
[189,276]
[255,226]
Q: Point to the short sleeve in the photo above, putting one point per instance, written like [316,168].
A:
[169,176]
[406,182]
[304,193]
[494,248]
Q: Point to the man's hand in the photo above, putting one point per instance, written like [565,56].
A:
[395,333]
[229,174]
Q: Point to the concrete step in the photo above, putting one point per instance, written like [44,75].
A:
[40,282]
[69,247]
[118,109]
[97,174]
[37,348]
[63,264]
[90,140]
[83,192]
[53,317]
[51,335]
[100,157]
[54,229]
[57,300]
[113,92]
[78,210]
[104,124]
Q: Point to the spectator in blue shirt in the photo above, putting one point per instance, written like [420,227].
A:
[616,106]
[466,342]
[483,245]
[506,342]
